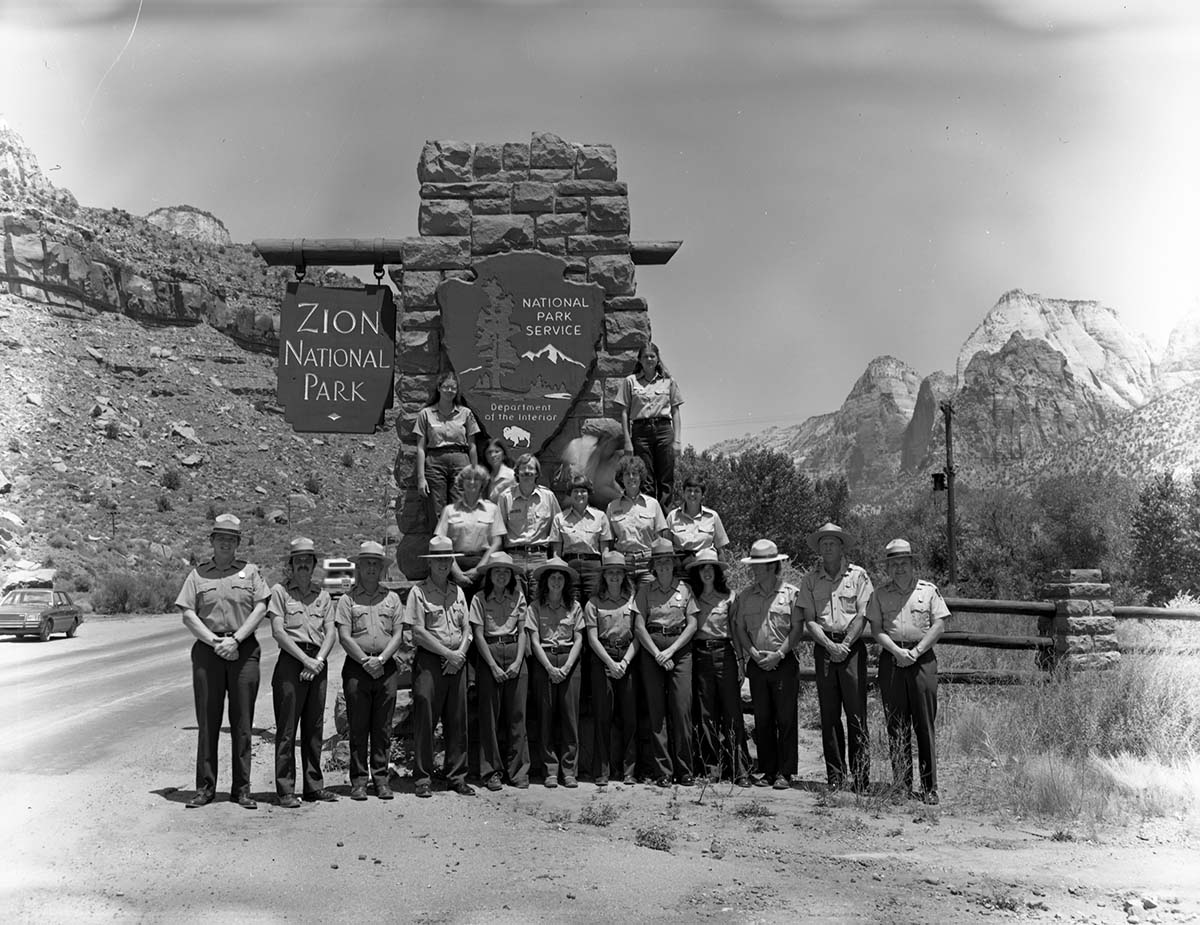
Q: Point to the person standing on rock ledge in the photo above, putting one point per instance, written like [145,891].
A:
[649,401]
[368,619]
[445,430]
[833,601]
[908,616]
[222,601]
[302,623]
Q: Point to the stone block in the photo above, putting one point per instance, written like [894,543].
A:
[587,410]
[491,206]
[1075,574]
[444,162]
[494,234]
[1079,590]
[489,159]
[1102,606]
[516,156]
[615,363]
[626,331]
[596,162]
[554,175]
[66,265]
[570,204]
[101,286]
[477,190]
[612,386]
[418,289]
[614,272]
[559,225]
[421,319]
[533,197]
[608,213]
[549,150]
[435,253]
[598,244]
[1079,626]
[444,217]
[1070,607]
[626,303]
[27,253]
[591,188]
[553,246]
[458,274]
[1091,661]
[418,351]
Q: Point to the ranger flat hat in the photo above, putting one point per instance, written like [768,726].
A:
[661,548]
[830,529]
[370,550]
[763,552]
[226,525]
[499,560]
[441,547]
[302,546]
[613,559]
[555,564]
[897,549]
[705,557]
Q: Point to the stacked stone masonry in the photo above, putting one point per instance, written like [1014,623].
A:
[480,199]
[1083,626]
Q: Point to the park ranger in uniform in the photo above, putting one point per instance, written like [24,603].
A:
[908,616]
[833,600]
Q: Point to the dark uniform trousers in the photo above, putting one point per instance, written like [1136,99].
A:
[438,696]
[558,715]
[441,468]
[654,444]
[720,727]
[502,715]
[669,708]
[298,703]
[910,703]
[774,695]
[614,707]
[370,708]
[842,686]
[588,569]
[214,679]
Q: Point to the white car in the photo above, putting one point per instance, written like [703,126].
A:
[338,577]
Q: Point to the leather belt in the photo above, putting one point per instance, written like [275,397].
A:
[711,644]
[583,556]
[557,647]
[658,630]
[308,648]
[528,547]
[446,448]
[505,639]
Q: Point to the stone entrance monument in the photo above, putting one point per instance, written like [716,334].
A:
[522,282]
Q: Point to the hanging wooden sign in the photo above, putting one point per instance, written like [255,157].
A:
[337,352]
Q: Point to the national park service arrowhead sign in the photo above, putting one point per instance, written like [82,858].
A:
[337,351]
[521,339]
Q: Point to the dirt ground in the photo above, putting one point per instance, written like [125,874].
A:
[107,838]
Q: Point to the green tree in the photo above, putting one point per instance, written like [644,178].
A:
[1159,562]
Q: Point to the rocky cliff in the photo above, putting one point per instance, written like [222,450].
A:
[190,222]
[1180,364]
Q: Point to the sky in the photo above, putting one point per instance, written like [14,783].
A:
[850,178]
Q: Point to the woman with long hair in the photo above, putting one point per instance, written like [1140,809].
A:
[650,401]
[635,519]
[445,430]
[472,523]
[609,619]
[555,625]
[500,469]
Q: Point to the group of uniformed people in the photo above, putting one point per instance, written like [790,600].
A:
[665,641]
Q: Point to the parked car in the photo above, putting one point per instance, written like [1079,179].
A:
[339,576]
[38,612]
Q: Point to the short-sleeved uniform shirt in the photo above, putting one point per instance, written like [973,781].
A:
[712,621]
[502,481]
[555,626]
[499,616]
[906,613]
[833,601]
[613,620]
[767,618]
[471,529]
[635,524]
[581,534]
[458,429]
[646,401]
[443,613]
[372,618]
[666,611]
[527,520]
[223,601]
[690,534]
[303,610]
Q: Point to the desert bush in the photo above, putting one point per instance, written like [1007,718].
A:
[348,459]
[656,837]
[312,483]
[58,540]
[211,512]
[112,430]
[753,810]
[163,504]
[598,814]
[14,445]
[171,479]
[151,591]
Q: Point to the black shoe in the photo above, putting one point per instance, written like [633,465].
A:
[201,798]
[384,792]
[358,793]
[569,782]
[628,780]
[687,781]
[320,796]
[522,784]
[422,790]
[550,782]
[494,784]
[782,782]
[289,801]
[245,801]
[743,780]
[601,781]
[663,782]
[762,782]
[930,798]
[463,789]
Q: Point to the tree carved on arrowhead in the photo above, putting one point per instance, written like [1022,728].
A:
[494,342]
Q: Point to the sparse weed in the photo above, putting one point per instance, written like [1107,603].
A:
[348,459]
[171,479]
[557,816]
[1062,835]
[761,825]
[312,483]
[112,430]
[163,504]
[14,445]
[58,540]
[598,814]
[754,809]
[655,837]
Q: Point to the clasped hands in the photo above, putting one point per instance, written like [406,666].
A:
[767,661]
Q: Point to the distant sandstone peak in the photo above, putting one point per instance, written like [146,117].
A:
[888,376]
[1099,350]
[1180,364]
[190,222]
[22,182]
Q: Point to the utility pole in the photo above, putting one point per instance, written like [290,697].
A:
[948,413]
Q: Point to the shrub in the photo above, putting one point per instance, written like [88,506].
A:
[136,592]
[211,512]
[598,814]
[163,504]
[312,483]
[754,809]
[14,445]
[112,430]
[58,540]
[348,459]
[171,479]
[656,837]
